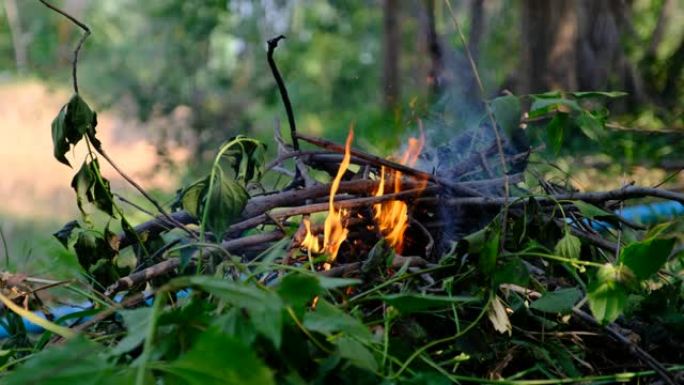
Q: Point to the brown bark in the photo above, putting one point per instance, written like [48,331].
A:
[549,33]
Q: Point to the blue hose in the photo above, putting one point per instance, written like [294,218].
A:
[645,214]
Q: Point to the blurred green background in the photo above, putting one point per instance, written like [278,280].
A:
[171,79]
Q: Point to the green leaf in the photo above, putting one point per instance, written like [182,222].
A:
[559,301]
[595,94]
[645,258]
[297,290]
[591,126]
[235,323]
[472,243]
[607,296]
[590,211]
[555,131]
[513,271]
[327,319]
[335,282]
[545,106]
[507,112]
[224,203]
[408,303]
[490,250]
[357,354]
[74,120]
[264,307]
[79,361]
[220,359]
[569,246]
[136,321]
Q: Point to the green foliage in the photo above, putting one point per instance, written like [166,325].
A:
[607,294]
[559,301]
[203,364]
[645,258]
[57,366]
[569,246]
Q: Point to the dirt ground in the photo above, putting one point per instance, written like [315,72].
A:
[33,184]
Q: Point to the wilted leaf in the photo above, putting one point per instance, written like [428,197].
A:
[224,203]
[559,301]
[77,362]
[247,157]
[498,317]
[220,359]
[91,185]
[645,258]
[64,234]
[607,296]
[74,120]
[191,199]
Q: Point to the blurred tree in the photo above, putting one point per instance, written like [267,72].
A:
[17,32]
[391,48]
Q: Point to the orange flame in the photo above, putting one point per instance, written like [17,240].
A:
[310,241]
[335,231]
[392,216]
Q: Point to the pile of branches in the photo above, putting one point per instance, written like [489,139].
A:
[477,244]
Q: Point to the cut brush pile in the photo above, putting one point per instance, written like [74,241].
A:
[439,265]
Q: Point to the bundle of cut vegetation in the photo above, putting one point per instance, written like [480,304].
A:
[451,263]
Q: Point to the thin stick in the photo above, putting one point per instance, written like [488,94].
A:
[171,264]
[378,161]
[272,44]
[86,33]
[320,207]
[144,193]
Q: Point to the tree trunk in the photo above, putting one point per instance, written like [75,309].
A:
[18,40]
[549,57]
[391,45]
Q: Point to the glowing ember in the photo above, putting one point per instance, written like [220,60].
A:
[392,216]
[335,231]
